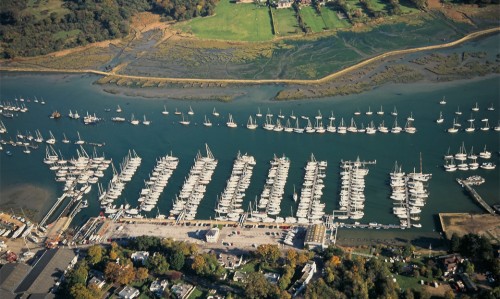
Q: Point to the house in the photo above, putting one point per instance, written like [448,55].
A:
[140,256]
[98,282]
[315,236]
[182,290]
[230,261]
[307,274]
[212,235]
[449,263]
[272,278]
[305,2]
[158,286]
[128,292]
[469,284]
[240,276]
[284,4]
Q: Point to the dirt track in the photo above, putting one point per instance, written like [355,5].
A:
[332,76]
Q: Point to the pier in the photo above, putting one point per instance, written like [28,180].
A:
[52,210]
[466,184]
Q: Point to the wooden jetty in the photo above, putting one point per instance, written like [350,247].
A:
[476,196]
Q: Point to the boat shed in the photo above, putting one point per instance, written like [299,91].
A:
[315,236]
[212,235]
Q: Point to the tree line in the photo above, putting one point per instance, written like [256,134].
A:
[23,33]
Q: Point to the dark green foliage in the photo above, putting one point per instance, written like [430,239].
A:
[177,260]
[145,243]
[158,264]
[24,34]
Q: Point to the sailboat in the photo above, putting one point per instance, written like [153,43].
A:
[395,128]
[207,122]
[280,115]
[352,128]
[410,118]
[475,108]
[251,124]
[118,109]
[294,196]
[278,127]
[497,127]
[453,129]
[332,117]
[184,122]
[134,121]
[381,111]
[79,141]
[146,122]
[357,112]
[258,114]
[190,112]
[3,129]
[309,128]
[319,116]
[491,108]
[51,140]
[486,125]
[288,127]
[26,150]
[298,129]
[443,101]
[458,112]
[470,128]
[177,112]
[394,112]
[369,112]
[269,114]
[471,118]
[440,120]
[65,139]
[215,113]
[164,112]
[331,127]
[230,123]
[341,129]
[292,116]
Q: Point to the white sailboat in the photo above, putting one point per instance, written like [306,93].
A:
[79,141]
[458,112]
[292,116]
[164,112]
[381,111]
[471,128]
[51,140]
[207,122]
[491,108]
[251,124]
[298,129]
[230,123]
[146,122]
[396,128]
[410,118]
[258,114]
[369,112]
[65,139]
[184,122]
[475,108]
[440,120]
[319,116]
[294,196]
[454,128]
[118,109]
[394,112]
[269,114]
[134,121]
[280,115]
[486,126]
[443,101]
[288,127]
[177,112]
[215,113]
[342,129]
[190,112]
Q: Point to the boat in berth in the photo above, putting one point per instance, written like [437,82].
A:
[342,129]
[396,128]
[382,128]
[268,125]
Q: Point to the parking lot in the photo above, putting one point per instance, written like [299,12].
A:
[230,238]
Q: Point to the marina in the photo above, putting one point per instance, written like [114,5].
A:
[311,209]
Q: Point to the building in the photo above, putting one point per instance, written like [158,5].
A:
[230,261]
[315,236]
[182,290]
[11,275]
[158,286]
[46,273]
[98,282]
[307,274]
[284,4]
[240,276]
[140,256]
[272,278]
[212,235]
[449,263]
[128,293]
[469,284]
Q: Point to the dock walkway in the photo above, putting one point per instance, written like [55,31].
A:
[476,196]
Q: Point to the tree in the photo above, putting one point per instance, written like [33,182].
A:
[291,257]
[268,253]
[302,258]
[118,273]
[113,255]
[79,291]
[256,286]
[409,294]
[198,264]
[468,267]
[141,273]
[94,254]
[158,264]
[455,243]
[177,260]
[78,275]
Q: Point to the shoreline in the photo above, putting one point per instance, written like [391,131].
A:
[162,80]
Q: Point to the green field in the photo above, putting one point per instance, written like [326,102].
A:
[380,5]
[327,20]
[43,8]
[64,35]
[286,21]
[242,22]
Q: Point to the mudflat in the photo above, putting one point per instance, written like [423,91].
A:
[34,200]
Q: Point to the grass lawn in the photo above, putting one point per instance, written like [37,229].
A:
[245,22]
[380,5]
[312,19]
[43,8]
[197,293]
[286,21]
[66,34]
[331,19]
[406,282]
[407,6]
[248,268]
